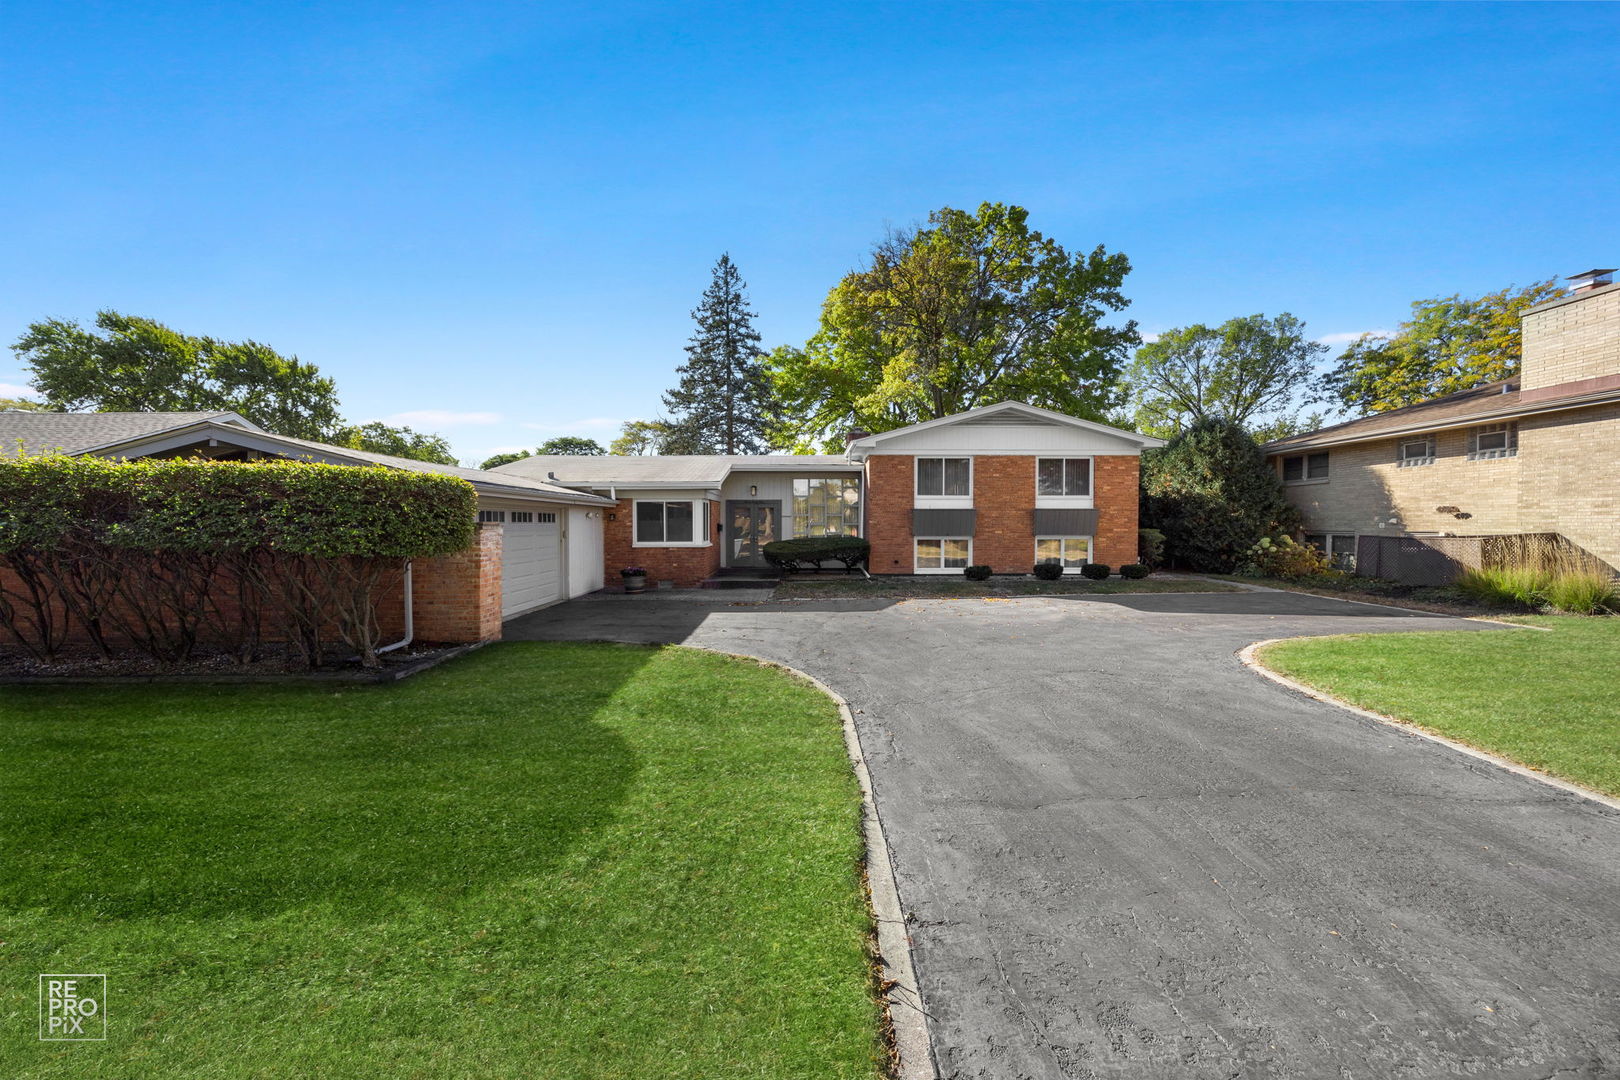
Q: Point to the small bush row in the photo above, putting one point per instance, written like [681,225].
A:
[1282,557]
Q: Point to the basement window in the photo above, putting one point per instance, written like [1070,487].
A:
[1072,551]
[941,555]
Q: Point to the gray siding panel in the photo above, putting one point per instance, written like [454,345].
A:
[1065,523]
[943,522]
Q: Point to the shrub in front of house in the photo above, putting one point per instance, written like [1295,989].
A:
[1150,547]
[1096,571]
[811,551]
[1134,571]
[1049,571]
[1576,589]
[1283,557]
[162,555]
[1212,495]
[976,573]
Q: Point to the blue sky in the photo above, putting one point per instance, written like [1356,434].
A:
[492,221]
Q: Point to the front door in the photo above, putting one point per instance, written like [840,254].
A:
[752,525]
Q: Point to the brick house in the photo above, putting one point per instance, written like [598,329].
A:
[1539,453]
[1006,485]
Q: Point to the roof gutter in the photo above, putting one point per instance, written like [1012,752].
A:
[1451,424]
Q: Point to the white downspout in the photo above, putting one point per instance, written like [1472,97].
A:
[410,622]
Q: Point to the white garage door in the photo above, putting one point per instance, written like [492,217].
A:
[531,560]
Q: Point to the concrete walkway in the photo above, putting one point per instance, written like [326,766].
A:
[1125,855]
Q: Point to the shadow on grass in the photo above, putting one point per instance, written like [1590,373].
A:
[246,801]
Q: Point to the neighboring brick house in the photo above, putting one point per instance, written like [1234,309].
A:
[1539,453]
[1006,486]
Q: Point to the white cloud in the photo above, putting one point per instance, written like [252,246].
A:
[1352,335]
[600,423]
[1148,339]
[435,418]
[14,390]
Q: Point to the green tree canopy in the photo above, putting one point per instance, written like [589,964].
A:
[571,445]
[968,310]
[498,460]
[379,438]
[1450,344]
[1212,495]
[723,401]
[139,365]
[1249,370]
[17,404]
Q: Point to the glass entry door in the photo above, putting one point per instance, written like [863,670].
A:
[752,525]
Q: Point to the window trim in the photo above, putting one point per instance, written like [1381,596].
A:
[1067,502]
[940,502]
[1091,549]
[1426,458]
[1304,460]
[700,524]
[1509,449]
[915,569]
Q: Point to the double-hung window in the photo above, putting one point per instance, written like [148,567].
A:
[669,523]
[944,477]
[1302,468]
[1063,477]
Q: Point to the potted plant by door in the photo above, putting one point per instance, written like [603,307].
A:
[635,578]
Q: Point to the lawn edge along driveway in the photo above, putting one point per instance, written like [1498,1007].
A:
[544,860]
[1351,672]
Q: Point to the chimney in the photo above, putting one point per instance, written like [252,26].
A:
[854,433]
[1587,280]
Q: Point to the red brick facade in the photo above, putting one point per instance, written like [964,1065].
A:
[1004,496]
[457,598]
[687,567]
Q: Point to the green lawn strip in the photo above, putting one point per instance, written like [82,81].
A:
[806,588]
[543,860]
[1547,700]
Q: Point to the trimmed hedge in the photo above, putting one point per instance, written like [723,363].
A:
[1096,571]
[977,573]
[1049,571]
[156,552]
[1134,571]
[804,551]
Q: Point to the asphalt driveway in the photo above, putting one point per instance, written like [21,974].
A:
[1125,855]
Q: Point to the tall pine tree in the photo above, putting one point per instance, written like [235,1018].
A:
[723,397]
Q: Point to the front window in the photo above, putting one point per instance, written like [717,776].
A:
[674,522]
[1493,441]
[1415,452]
[944,476]
[1072,551]
[1063,476]
[828,506]
[1303,467]
[947,553]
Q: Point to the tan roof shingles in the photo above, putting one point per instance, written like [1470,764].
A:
[1448,411]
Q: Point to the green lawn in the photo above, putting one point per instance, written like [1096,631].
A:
[1548,700]
[828,585]
[542,860]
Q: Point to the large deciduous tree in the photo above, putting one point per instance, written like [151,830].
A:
[723,399]
[1249,370]
[379,438]
[1450,343]
[138,365]
[1212,495]
[571,446]
[967,310]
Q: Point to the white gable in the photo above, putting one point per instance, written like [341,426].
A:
[1007,428]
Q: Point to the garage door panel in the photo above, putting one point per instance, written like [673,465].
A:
[531,561]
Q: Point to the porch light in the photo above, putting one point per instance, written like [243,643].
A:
[753,489]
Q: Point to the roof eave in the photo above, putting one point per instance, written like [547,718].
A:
[1283,446]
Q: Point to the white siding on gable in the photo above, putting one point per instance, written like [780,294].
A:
[997,435]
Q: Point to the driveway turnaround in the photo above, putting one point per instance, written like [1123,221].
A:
[1123,854]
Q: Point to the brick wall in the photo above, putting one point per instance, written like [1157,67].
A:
[457,598]
[1572,339]
[1117,492]
[1004,496]
[686,566]
[889,496]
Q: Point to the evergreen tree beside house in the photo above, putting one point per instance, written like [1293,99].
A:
[721,403]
